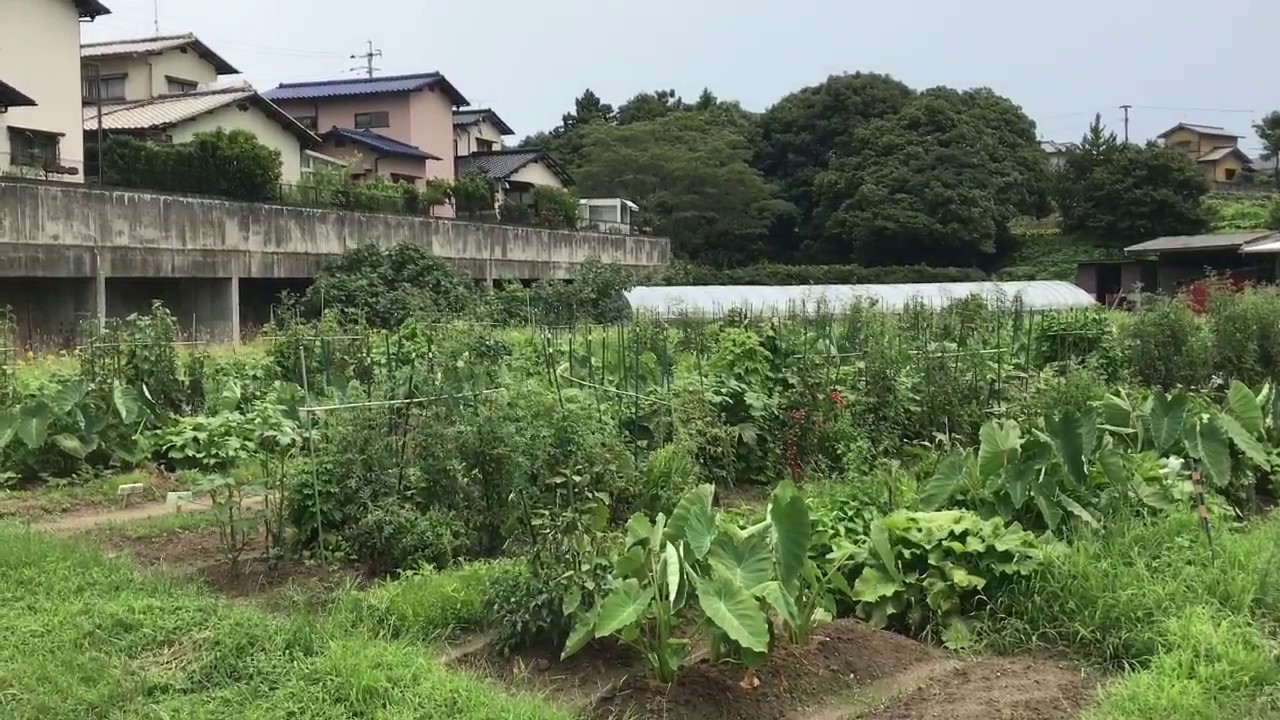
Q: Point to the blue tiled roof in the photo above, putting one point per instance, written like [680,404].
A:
[381,143]
[364,86]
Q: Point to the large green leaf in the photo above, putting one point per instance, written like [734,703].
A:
[1066,431]
[884,549]
[674,571]
[581,634]
[1077,509]
[783,602]
[33,424]
[74,446]
[1245,440]
[128,404]
[625,604]
[874,585]
[791,529]
[693,520]
[1215,452]
[746,560]
[68,396]
[1113,468]
[1168,414]
[944,484]
[1242,405]
[734,611]
[1000,447]
[1045,492]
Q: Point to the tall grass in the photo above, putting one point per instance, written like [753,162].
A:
[84,636]
[1194,628]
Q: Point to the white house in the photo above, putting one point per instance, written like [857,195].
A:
[40,87]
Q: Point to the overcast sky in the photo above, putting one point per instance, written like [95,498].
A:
[1207,61]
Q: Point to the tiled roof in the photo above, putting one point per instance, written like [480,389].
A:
[169,110]
[1214,130]
[475,115]
[91,8]
[1051,146]
[158,44]
[503,164]
[365,86]
[11,96]
[381,143]
[1191,243]
[1220,152]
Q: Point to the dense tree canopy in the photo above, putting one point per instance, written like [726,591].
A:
[1122,193]
[1268,130]
[690,175]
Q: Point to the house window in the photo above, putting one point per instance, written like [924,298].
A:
[483,145]
[178,85]
[306,121]
[1184,145]
[373,120]
[109,87]
[33,148]
[1229,174]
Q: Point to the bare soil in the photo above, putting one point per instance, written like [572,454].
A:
[850,670]
[197,554]
[997,689]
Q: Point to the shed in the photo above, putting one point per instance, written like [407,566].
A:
[708,300]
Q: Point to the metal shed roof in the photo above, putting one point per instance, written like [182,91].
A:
[1193,243]
[715,299]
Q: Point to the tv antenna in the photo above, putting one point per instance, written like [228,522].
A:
[368,56]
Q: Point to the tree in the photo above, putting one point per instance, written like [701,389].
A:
[1121,193]
[801,133]
[692,179]
[385,288]
[473,194]
[650,106]
[938,182]
[1268,130]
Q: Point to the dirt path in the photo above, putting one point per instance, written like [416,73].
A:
[79,520]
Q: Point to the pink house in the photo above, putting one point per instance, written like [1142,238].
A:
[400,127]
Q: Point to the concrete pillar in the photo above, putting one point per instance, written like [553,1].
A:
[99,305]
[235,310]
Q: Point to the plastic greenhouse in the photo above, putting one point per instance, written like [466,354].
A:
[803,299]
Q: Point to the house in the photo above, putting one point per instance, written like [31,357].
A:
[1213,147]
[167,88]
[146,68]
[1057,152]
[478,130]
[516,172]
[1173,263]
[40,73]
[177,118]
[610,215]
[400,126]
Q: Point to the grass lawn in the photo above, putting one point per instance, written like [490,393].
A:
[86,636]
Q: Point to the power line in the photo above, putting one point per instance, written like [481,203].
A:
[368,56]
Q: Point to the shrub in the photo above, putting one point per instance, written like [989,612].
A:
[1166,345]
[232,164]
[386,288]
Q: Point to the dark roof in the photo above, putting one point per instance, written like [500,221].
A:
[475,115]
[381,143]
[365,86]
[11,96]
[1193,243]
[1214,130]
[154,46]
[91,8]
[502,164]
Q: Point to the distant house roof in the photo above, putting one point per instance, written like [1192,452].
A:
[169,110]
[1053,147]
[1215,130]
[472,116]
[1218,153]
[1194,243]
[156,45]
[11,96]
[381,143]
[91,8]
[365,86]
[502,164]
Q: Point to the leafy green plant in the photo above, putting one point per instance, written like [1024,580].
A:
[923,571]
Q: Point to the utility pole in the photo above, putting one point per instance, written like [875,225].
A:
[368,56]
[155,15]
[1126,109]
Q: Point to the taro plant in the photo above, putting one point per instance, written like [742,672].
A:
[62,429]
[922,571]
[699,570]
